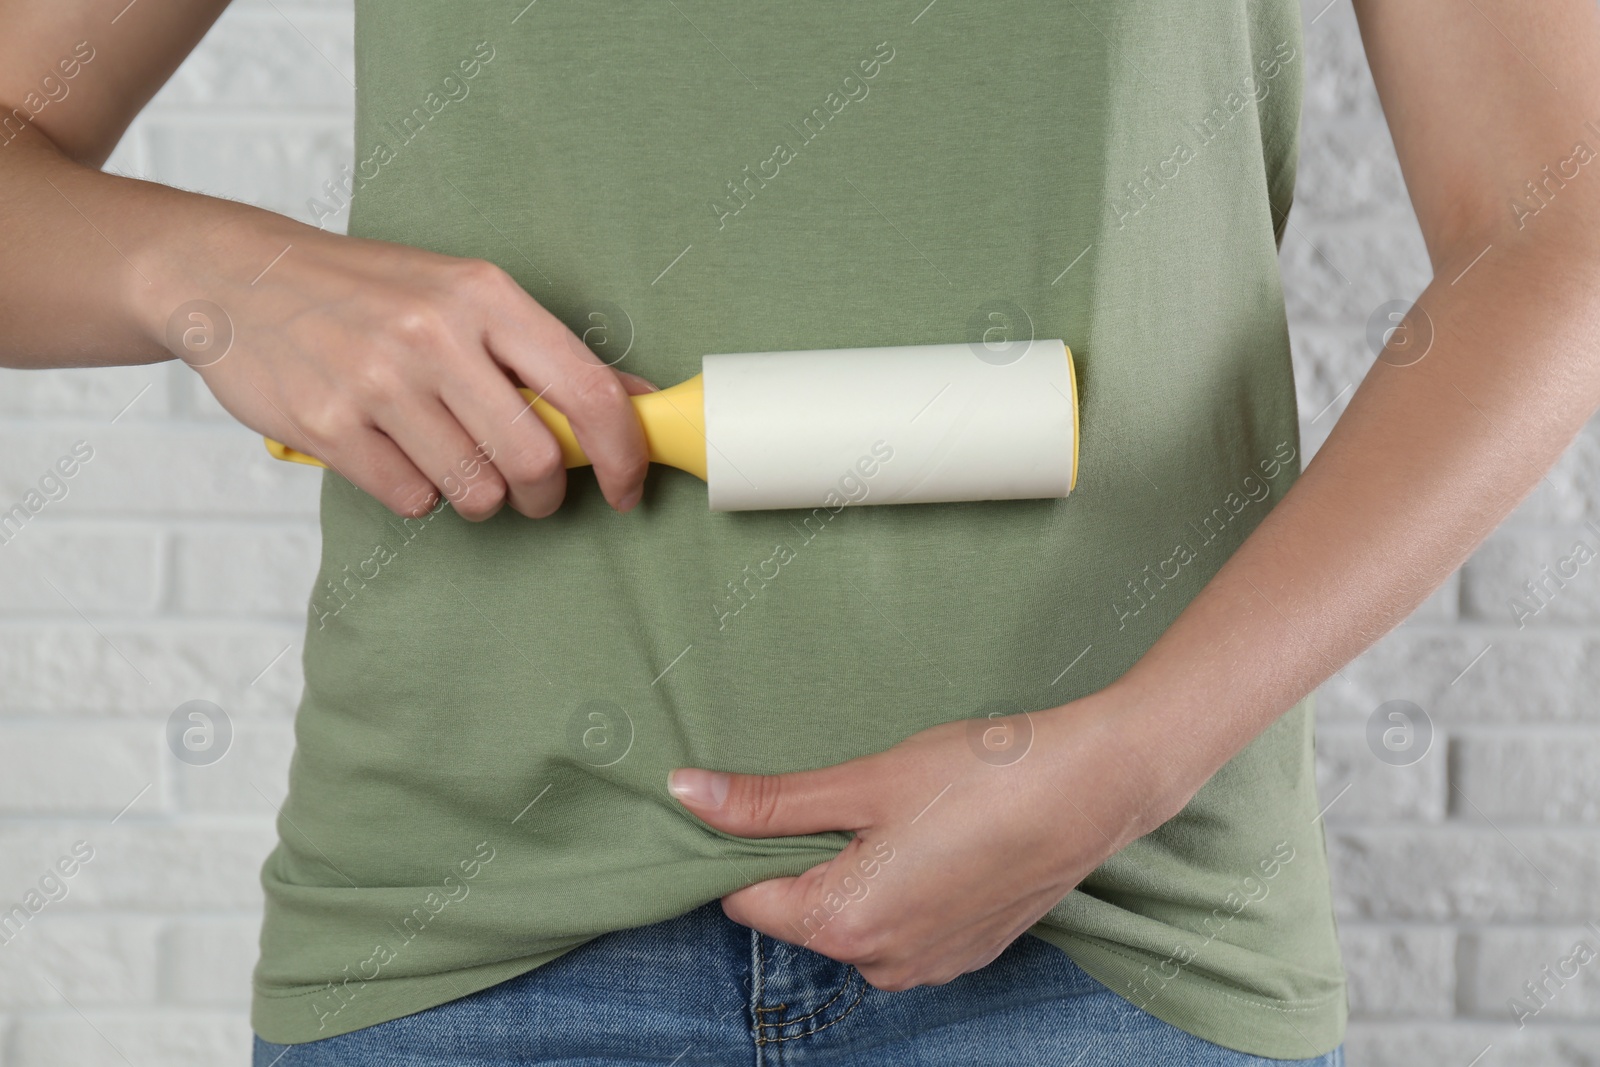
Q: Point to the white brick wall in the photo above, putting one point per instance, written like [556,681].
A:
[190,554]
[178,566]
[1462,875]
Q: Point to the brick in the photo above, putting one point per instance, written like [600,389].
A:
[154,940]
[209,963]
[1412,1044]
[1338,83]
[93,961]
[1564,588]
[277,165]
[261,569]
[159,867]
[1342,273]
[51,567]
[74,669]
[1378,791]
[1450,874]
[260,59]
[55,463]
[78,768]
[1312,436]
[257,765]
[1443,604]
[1497,961]
[1529,677]
[43,862]
[140,470]
[93,393]
[1348,170]
[1329,363]
[1529,778]
[148,1039]
[1400,973]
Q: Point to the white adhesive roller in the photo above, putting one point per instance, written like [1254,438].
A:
[908,425]
[848,426]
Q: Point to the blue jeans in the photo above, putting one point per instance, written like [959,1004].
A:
[700,990]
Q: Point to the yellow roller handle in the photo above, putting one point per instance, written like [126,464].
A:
[674,422]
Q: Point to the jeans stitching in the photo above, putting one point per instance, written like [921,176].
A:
[837,994]
[757,990]
[817,1030]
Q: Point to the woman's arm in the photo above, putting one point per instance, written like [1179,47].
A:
[71,81]
[389,363]
[1431,454]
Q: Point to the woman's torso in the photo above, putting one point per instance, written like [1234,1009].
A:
[686,178]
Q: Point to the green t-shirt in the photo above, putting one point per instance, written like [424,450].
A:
[491,710]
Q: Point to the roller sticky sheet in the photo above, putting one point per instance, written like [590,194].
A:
[911,424]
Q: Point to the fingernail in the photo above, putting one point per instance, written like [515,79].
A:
[706,789]
[627,502]
[422,503]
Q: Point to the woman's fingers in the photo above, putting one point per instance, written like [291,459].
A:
[636,384]
[522,449]
[391,363]
[368,459]
[550,360]
[459,467]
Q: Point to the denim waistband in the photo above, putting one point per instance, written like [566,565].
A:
[700,990]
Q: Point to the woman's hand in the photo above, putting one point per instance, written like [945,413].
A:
[392,365]
[965,835]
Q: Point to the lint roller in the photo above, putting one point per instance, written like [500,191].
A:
[912,424]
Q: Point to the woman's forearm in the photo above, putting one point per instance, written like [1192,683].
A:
[391,364]
[395,366]
[91,259]
[72,77]
[1428,458]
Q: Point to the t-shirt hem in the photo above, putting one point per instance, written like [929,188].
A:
[288,1018]
[1258,1026]
[1287,1030]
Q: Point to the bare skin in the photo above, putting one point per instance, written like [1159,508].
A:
[1428,458]
[392,364]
